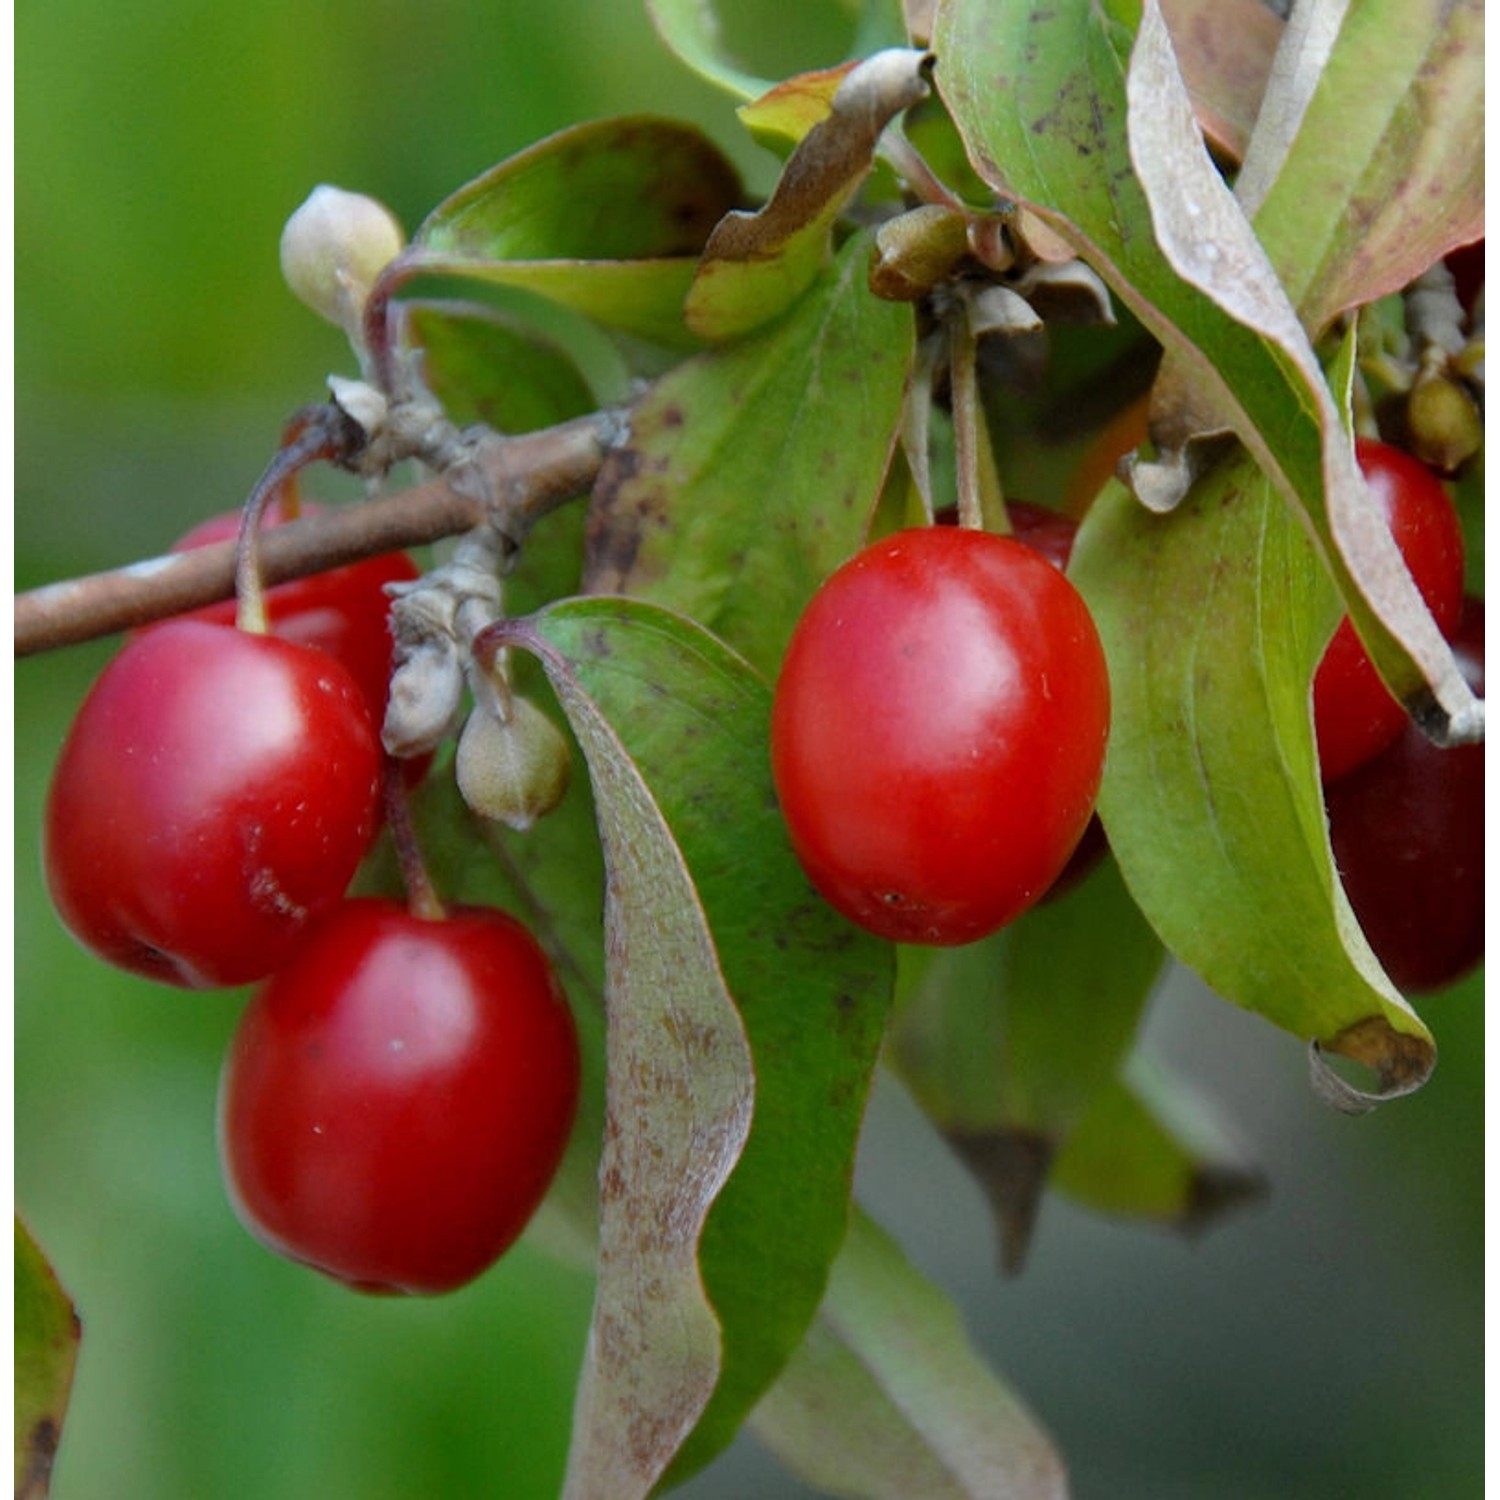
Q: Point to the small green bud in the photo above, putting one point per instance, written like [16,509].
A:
[1444,428]
[916,250]
[334,248]
[515,769]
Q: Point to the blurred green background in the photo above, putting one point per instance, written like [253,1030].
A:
[1326,1344]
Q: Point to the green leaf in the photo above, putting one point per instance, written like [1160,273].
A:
[1152,1148]
[690,29]
[1041,100]
[486,367]
[887,1399]
[752,470]
[1213,619]
[674,727]
[1005,1043]
[679,1093]
[46,1335]
[756,265]
[606,217]
[1384,175]
[626,188]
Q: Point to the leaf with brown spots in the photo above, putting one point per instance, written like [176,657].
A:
[47,1332]
[705,1286]
[752,470]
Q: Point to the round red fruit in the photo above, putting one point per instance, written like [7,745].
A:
[216,791]
[1353,712]
[938,733]
[345,611]
[1407,830]
[396,1100]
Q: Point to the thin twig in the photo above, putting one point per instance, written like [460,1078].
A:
[513,481]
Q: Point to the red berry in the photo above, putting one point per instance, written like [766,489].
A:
[1407,830]
[1353,712]
[397,1098]
[344,611]
[938,733]
[216,791]
[1046,531]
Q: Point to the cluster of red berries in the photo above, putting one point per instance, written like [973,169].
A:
[398,1094]
[939,730]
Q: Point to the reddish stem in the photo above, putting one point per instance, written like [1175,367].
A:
[315,434]
[421,895]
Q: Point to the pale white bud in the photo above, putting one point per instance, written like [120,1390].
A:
[426,698]
[334,248]
[515,769]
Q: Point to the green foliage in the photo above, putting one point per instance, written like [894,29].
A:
[672,725]
[1213,619]
[705,509]
[606,218]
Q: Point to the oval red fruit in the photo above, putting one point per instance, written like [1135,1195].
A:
[938,733]
[396,1100]
[216,791]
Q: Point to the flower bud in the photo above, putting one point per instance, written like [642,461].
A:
[1444,427]
[334,248]
[512,770]
[427,689]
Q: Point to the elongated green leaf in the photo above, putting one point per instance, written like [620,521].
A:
[1152,1148]
[607,217]
[678,1101]
[1005,1043]
[887,1400]
[752,470]
[1385,174]
[485,367]
[1213,618]
[1040,96]
[756,265]
[46,1348]
[667,713]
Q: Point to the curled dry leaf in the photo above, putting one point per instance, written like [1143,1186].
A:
[756,265]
